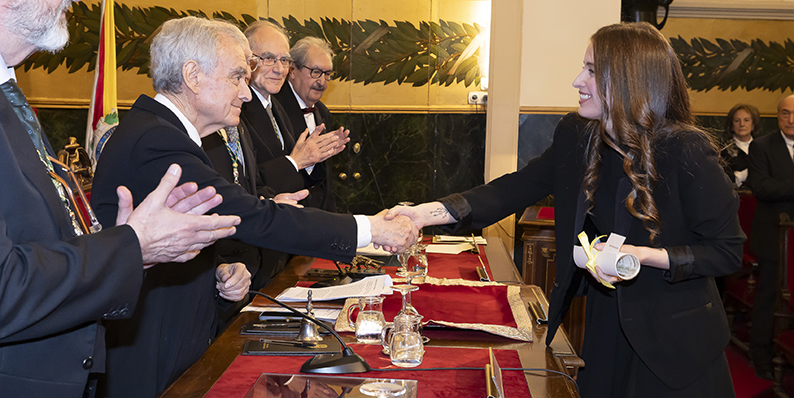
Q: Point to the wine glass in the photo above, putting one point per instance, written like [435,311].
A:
[406,290]
[408,308]
[421,259]
[404,257]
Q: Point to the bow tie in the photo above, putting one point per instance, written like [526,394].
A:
[308,110]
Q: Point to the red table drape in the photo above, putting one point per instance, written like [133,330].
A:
[245,370]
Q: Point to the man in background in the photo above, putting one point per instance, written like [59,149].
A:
[771,178]
[290,156]
[56,279]
[308,79]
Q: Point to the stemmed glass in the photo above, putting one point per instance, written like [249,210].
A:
[421,258]
[406,290]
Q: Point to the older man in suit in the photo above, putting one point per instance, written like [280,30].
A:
[771,178]
[308,79]
[200,71]
[290,156]
[58,279]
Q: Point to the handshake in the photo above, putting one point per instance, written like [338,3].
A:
[398,228]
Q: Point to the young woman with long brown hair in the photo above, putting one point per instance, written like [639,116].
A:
[631,162]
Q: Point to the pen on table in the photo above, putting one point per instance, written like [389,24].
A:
[309,344]
[276,325]
[482,272]
[475,247]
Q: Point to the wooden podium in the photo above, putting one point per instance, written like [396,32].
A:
[539,266]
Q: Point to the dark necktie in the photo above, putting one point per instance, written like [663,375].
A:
[308,110]
[275,125]
[33,127]
[27,117]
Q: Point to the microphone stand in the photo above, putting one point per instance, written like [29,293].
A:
[344,362]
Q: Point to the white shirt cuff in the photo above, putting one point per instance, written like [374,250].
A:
[295,165]
[364,230]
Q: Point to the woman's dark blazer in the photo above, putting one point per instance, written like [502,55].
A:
[673,319]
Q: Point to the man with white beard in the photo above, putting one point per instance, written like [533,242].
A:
[56,279]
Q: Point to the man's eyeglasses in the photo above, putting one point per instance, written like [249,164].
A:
[316,73]
[268,59]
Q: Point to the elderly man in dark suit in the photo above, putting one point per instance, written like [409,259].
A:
[308,80]
[58,279]
[290,157]
[771,179]
[232,156]
[200,71]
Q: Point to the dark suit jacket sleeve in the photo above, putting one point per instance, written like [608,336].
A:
[50,286]
[512,192]
[264,223]
[762,160]
[710,207]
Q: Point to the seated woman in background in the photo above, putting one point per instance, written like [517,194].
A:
[741,124]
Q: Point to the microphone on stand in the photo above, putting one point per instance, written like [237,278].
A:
[344,362]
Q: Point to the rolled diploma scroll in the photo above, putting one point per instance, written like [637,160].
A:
[612,261]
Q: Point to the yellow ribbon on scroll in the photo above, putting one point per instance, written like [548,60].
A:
[589,250]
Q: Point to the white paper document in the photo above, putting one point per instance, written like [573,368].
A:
[449,248]
[322,314]
[371,286]
[454,239]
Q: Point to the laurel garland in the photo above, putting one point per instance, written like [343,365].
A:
[366,51]
[729,65]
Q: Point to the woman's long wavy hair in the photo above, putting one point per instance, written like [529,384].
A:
[643,98]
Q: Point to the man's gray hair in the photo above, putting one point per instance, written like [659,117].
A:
[300,51]
[184,39]
[251,30]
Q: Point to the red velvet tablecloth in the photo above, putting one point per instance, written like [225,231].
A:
[484,306]
[459,304]
[244,371]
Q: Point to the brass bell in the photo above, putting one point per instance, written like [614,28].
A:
[309,331]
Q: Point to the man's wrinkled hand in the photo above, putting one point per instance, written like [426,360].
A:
[393,235]
[292,198]
[174,233]
[314,148]
[233,281]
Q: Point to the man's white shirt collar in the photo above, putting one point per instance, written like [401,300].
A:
[6,73]
[192,132]
[297,97]
[264,100]
[788,141]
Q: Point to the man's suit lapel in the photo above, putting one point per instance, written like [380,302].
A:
[250,168]
[31,165]
[781,155]
[285,124]
[263,125]
[149,104]
[294,112]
